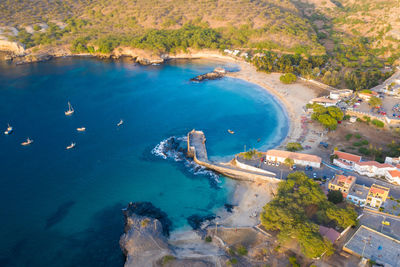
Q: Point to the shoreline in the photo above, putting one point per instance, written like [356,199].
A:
[245,195]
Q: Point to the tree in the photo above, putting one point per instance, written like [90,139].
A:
[343,217]
[288,78]
[375,101]
[289,214]
[293,146]
[335,113]
[335,196]
[289,162]
[328,121]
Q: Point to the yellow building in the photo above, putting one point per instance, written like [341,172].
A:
[342,183]
[377,195]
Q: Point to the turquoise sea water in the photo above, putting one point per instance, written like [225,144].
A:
[62,207]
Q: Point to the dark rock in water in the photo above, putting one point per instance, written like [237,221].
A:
[195,221]
[147,209]
[59,215]
[216,74]
[229,207]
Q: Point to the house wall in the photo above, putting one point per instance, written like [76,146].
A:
[356,200]
[296,161]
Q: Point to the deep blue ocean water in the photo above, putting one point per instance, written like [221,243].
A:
[62,207]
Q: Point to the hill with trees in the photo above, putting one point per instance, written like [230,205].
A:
[355,39]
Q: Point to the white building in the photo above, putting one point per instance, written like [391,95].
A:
[393,161]
[346,160]
[373,168]
[393,176]
[358,195]
[338,94]
[323,101]
[298,158]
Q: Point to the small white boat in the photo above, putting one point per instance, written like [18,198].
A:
[70,110]
[120,123]
[9,129]
[72,145]
[230,131]
[81,129]
[27,142]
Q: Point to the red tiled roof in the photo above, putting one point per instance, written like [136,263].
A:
[394,173]
[376,164]
[377,189]
[348,156]
[346,179]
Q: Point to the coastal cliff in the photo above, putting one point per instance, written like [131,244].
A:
[145,241]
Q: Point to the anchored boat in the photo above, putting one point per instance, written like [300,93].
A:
[81,129]
[70,110]
[231,132]
[9,129]
[72,145]
[120,123]
[27,142]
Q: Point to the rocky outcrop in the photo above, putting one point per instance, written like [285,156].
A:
[146,242]
[216,74]
[145,239]
[13,48]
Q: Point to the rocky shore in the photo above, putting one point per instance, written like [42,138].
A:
[215,74]
[146,241]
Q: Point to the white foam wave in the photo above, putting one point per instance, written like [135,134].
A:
[173,148]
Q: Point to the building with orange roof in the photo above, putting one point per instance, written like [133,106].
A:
[377,195]
[298,158]
[373,168]
[345,160]
[342,183]
[393,176]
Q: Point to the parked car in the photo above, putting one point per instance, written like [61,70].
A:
[309,168]
[273,163]
[294,167]
[278,163]
[314,175]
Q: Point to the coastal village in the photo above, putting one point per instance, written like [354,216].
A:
[372,187]
[327,195]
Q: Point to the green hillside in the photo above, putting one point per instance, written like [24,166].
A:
[359,37]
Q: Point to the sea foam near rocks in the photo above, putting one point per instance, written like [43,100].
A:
[175,148]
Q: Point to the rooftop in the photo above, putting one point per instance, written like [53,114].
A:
[394,173]
[347,156]
[375,246]
[377,189]
[359,191]
[376,164]
[293,155]
[324,100]
[346,179]
[329,233]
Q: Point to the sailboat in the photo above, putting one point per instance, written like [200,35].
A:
[72,145]
[70,110]
[81,129]
[9,129]
[27,142]
[120,123]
